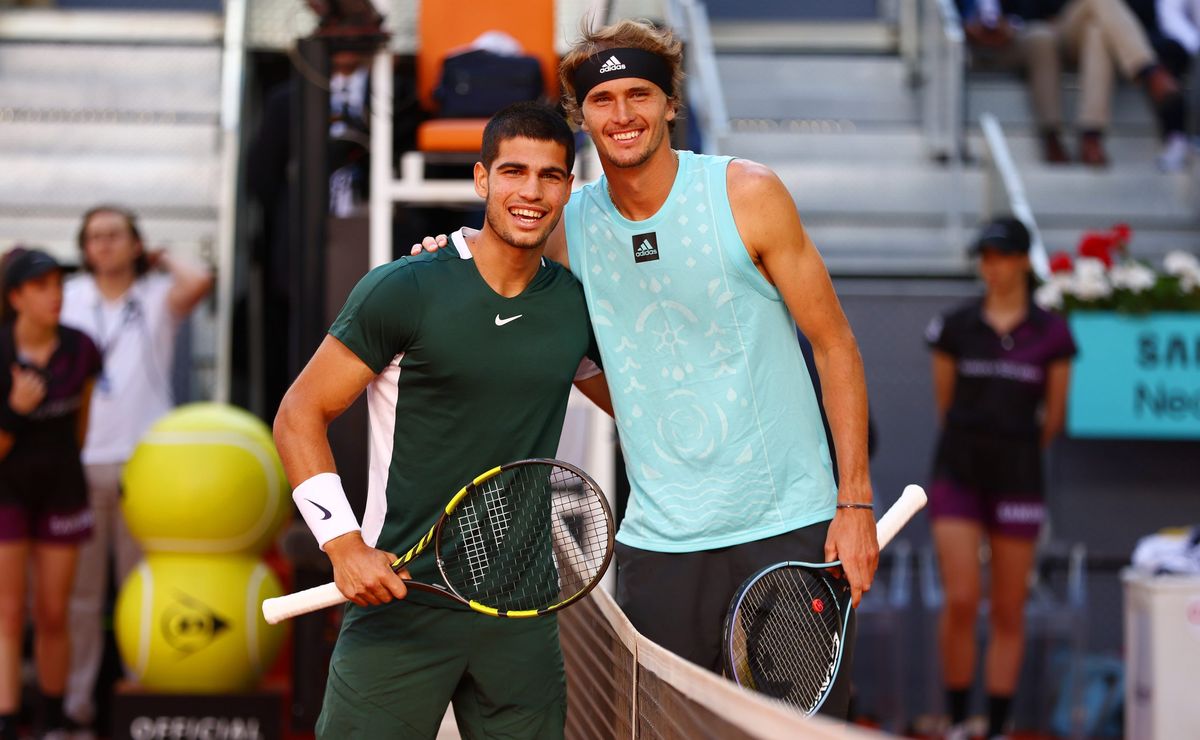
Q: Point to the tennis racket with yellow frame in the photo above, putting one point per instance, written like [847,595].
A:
[520,540]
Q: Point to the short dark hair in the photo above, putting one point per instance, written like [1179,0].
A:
[528,120]
[142,264]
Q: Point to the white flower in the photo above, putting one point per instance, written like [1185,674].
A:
[1091,282]
[1064,280]
[1049,295]
[1132,276]
[1089,269]
[1184,266]
[1180,264]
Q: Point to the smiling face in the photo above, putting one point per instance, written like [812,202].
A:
[628,120]
[526,188]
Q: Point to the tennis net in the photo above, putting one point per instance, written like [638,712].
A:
[621,686]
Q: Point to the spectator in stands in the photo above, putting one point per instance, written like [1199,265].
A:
[1092,34]
[1001,367]
[1179,27]
[1174,29]
[131,302]
[47,372]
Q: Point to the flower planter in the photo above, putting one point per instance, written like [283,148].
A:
[1135,376]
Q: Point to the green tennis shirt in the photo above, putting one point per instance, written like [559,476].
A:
[466,380]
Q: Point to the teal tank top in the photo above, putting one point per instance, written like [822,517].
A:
[716,412]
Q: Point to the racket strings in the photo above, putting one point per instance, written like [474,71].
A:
[785,636]
[528,538]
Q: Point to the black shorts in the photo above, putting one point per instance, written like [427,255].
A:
[44,504]
[679,600]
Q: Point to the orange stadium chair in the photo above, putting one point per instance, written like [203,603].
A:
[445,26]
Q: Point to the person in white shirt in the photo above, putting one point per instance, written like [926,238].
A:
[1179,21]
[1177,41]
[131,302]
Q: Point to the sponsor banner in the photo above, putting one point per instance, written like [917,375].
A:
[139,715]
[1135,376]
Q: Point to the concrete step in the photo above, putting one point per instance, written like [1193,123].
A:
[863,89]
[183,80]
[1007,98]
[873,191]
[149,181]
[82,137]
[845,36]
[887,219]
[889,249]
[824,141]
[1127,152]
[193,232]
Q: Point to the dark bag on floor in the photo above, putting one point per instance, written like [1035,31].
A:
[477,84]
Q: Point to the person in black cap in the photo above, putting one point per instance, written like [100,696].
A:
[46,376]
[1001,368]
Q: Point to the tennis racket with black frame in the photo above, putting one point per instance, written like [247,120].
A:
[786,627]
[521,540]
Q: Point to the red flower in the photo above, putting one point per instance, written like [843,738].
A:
[1061,262]
[1098,245]
[1122,232]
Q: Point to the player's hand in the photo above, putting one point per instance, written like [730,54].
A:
[852,540]
[429,244]
[362,573]
[28,389]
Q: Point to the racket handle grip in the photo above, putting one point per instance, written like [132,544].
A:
[302,602]
[910,502]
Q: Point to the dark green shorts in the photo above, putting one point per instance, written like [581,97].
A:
[395,669]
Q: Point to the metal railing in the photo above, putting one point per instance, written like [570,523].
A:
[908,37]
[233,63]
[943,58]
[1004,192]
[704,97]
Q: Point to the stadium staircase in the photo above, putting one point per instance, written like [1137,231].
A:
[836,109]
[114,107]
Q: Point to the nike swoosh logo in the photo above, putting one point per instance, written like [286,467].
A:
[502,322]
[327,512]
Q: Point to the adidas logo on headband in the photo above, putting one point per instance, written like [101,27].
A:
[612,65]
[604,66]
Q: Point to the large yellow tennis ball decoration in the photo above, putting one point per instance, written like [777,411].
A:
[206,479]
[192,623]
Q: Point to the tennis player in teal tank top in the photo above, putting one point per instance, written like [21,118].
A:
[696,271]
[475,349]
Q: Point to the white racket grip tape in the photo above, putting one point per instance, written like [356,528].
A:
[302,602]
[910,502]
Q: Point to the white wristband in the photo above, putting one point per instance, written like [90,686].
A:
[323,504]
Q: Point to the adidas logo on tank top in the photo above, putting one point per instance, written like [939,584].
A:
[645,247]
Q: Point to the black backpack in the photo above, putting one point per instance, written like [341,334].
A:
[477,84]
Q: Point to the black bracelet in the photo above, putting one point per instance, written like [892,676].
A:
[856,506]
